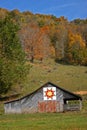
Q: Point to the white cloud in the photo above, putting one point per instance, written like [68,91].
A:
[55,8]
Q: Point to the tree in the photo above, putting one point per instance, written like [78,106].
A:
[34,41]
[29,36]
[13,69]
[58,38]
[74,50]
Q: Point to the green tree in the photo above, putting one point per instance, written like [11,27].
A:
[13,69]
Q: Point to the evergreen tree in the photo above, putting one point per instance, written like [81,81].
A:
[13,69]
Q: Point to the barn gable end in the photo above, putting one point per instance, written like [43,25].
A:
[48,98]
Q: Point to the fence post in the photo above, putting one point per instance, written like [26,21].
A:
[80,103]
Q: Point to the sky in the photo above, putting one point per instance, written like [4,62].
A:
[70,9]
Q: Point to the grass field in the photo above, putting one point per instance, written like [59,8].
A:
[50,121]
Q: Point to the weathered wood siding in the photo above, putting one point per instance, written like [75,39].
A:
[13,107]
[29,104]
[35,102]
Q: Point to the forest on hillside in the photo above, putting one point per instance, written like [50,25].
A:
[44,36]
[25,36]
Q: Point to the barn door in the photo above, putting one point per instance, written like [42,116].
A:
[49,103]
[47,106]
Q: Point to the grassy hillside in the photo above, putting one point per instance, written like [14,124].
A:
[72,78]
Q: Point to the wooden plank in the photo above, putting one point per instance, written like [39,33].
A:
[47,106]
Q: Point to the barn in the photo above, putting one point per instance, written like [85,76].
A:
[48,98]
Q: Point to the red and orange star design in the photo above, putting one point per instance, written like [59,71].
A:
[49,93]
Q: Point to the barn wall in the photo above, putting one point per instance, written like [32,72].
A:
[29,104]
[60,100]
[13,107]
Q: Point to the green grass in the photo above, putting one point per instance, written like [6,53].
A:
[73,78]
[50,121]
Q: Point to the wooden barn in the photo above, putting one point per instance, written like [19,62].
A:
[48,98]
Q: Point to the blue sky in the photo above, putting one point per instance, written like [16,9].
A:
[70,9]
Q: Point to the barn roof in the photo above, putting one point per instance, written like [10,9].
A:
[75,97]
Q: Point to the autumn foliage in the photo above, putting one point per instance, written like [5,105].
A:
[46,36]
